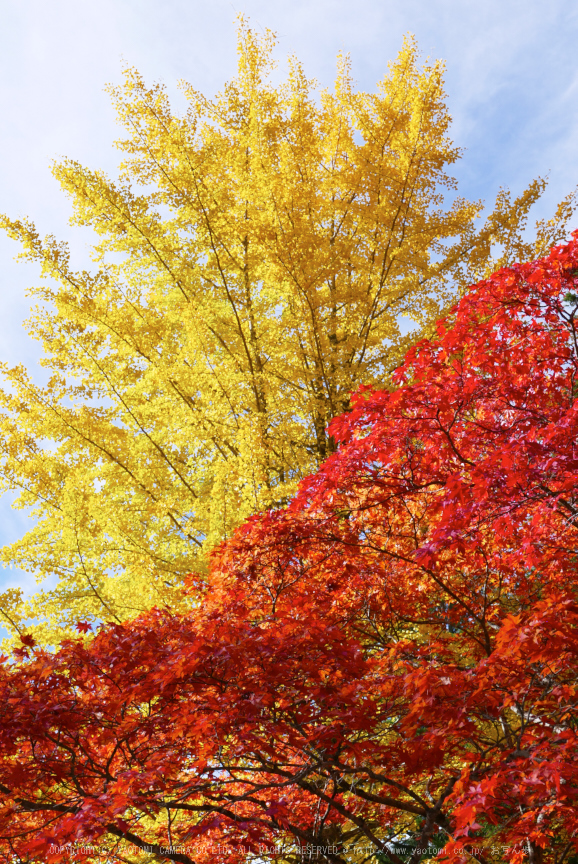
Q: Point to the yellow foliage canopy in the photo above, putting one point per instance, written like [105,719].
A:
[254,263]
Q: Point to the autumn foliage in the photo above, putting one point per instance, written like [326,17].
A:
[384,669]
[259,256]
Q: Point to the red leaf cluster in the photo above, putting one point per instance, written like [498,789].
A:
[391,660]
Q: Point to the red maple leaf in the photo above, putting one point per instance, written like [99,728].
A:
[83,626]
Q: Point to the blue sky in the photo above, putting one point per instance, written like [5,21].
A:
[512,81]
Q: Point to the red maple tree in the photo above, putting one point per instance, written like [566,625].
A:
[386,669]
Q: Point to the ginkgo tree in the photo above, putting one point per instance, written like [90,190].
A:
[385,671]
[254,262]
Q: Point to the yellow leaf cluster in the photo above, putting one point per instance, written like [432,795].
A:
[256,260]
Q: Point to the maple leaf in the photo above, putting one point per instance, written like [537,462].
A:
[83,626]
